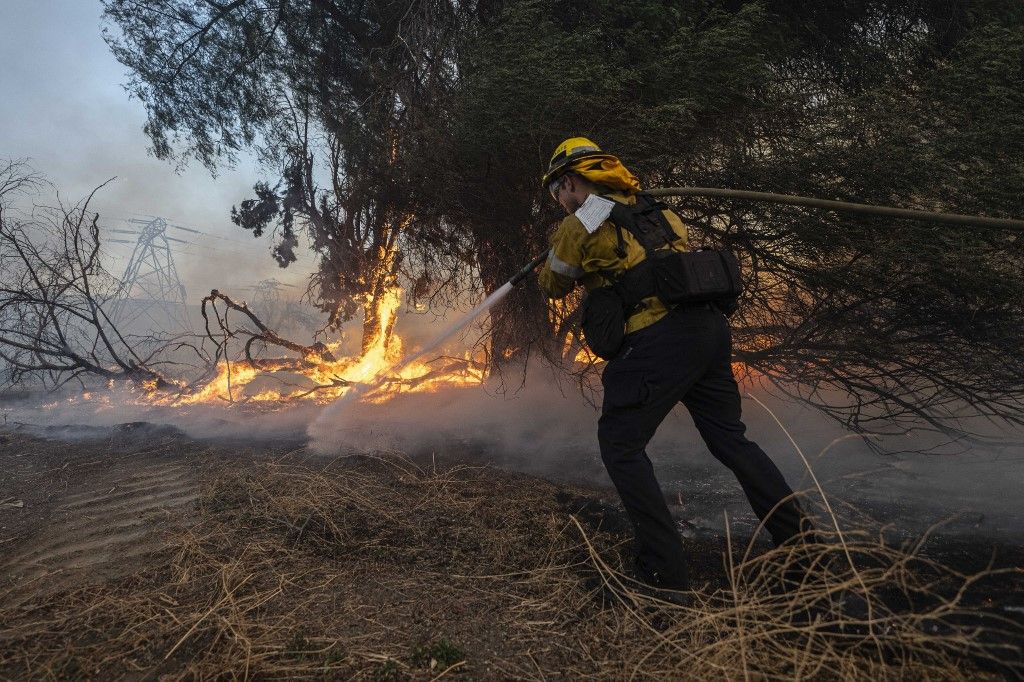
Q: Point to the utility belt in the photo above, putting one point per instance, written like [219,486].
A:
[677,278]
[680,279]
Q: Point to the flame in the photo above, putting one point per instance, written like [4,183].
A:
[584,356]
[231,376]
[378,369]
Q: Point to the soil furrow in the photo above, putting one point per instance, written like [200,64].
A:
[66,543]
[95,546]
[115,505]
[128,485]
[119,495]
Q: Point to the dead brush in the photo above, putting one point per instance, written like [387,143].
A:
[356,568]
[806,612]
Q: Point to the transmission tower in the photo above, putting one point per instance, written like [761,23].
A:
[267,300]
[150,286]
[266,297]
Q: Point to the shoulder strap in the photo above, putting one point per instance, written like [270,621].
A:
[647,223]
[645,220]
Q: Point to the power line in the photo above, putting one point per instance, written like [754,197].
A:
[252,244]
[254,255]
[186,229]
[207,232]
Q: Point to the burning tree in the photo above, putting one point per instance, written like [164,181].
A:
[409,137]
[54,327]
[333,93]
[873,321]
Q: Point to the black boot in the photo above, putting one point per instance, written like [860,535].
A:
[673,590]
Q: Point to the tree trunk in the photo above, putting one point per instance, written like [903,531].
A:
[378,322]
[382,298]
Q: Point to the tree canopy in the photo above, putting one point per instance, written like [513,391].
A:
[410,135]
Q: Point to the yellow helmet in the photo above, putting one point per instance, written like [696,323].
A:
[600,167]
[569,152]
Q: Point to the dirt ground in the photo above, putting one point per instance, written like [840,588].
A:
[139,553]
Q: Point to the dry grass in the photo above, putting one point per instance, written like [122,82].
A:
[375,568]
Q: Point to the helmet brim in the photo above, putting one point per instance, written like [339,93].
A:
[564,166]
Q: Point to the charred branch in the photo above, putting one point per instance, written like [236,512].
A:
[54,327]
[312,354]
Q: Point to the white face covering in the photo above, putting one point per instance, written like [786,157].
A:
[594,211]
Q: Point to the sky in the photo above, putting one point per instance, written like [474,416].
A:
[63,106]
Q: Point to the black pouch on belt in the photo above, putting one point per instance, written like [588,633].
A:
[604,322]
[696,276]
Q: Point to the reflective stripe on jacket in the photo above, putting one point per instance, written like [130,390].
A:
[577,256]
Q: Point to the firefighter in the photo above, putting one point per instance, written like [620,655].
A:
[668,355]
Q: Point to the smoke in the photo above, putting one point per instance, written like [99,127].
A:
[548,429]
[74,415]
[535,429]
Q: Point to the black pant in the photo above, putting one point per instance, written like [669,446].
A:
[684,357]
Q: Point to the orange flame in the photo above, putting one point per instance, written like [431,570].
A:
[323,381]
[379,371]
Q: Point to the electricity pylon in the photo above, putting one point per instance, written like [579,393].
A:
[276,310]
[267,301]
[150,286]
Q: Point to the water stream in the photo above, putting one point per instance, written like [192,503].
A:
[333,411]
[456,326]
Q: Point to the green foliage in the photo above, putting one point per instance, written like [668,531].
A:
[447,113]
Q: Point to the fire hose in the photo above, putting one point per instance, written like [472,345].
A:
[743,195]
[1011,224]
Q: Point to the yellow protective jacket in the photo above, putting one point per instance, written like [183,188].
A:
[577,255]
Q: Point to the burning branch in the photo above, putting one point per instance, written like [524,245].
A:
[313,357]
[313,354]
